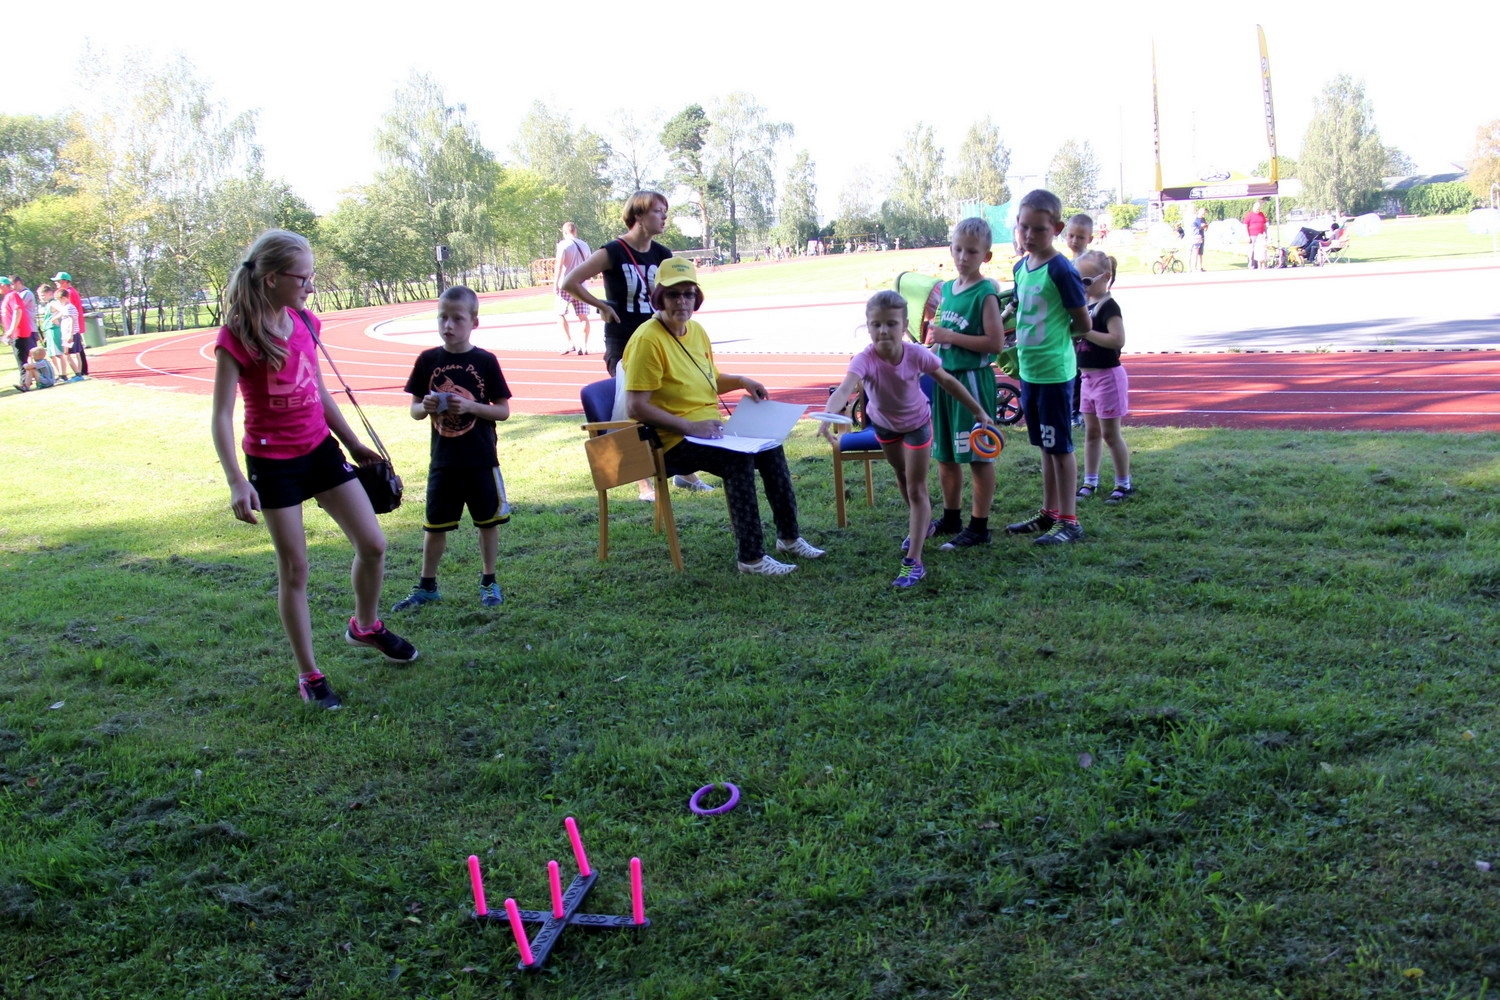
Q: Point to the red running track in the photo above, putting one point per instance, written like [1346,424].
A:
[1386,390]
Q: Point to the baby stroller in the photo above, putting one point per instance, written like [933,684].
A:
[1307,247]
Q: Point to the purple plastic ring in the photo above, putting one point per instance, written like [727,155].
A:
[734,800]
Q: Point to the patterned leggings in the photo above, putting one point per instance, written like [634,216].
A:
[738,472]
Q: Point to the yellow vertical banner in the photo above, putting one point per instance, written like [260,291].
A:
[1265,86]
[1155,120]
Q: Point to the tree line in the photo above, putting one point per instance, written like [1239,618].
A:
[149,195]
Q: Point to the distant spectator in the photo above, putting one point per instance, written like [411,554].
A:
[48,334]
[1195,245]
[65,280]
[19,325]
[68,325]
[1255,228]
[571,252]
[37,373]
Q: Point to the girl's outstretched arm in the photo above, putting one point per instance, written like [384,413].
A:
[243,500]
[838,403]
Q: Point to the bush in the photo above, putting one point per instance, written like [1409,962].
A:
[1451,198]
[913,229]
[1123,216]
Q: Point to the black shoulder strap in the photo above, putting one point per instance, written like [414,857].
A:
[379,445]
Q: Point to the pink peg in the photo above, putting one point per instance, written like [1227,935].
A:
[582,858]
[478,884]
[555,882]
[519,930]
[637,897]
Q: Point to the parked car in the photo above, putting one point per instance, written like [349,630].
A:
[95,303]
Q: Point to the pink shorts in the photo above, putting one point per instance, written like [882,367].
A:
[1106,392]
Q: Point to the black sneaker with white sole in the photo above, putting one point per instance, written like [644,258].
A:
[390,645]
[1042,522]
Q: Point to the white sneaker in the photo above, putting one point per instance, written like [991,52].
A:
[799,547]
[696,485]
[766,566]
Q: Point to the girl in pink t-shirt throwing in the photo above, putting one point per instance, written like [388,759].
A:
[900,413]
[267,351]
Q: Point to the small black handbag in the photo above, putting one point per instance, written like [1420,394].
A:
[379,479]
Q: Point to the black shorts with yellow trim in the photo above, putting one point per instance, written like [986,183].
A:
[450,490]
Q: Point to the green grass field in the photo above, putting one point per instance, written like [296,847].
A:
[1241,743]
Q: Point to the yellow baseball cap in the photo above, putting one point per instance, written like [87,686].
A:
[675,271]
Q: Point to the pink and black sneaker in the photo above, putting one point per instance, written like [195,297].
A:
[391,645]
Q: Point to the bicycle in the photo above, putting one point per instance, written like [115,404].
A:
[1167,262]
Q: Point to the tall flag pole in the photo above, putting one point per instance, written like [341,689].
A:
[1265,86]
[1156,120]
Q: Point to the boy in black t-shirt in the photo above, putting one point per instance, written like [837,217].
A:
[462,388]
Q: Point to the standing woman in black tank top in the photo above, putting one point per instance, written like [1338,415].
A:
[628,265]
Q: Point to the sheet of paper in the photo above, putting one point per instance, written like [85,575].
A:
[764,418]
[757,425]
[736,443]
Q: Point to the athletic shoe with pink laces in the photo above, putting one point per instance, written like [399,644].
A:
[390,645]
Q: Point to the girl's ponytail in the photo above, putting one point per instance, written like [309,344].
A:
[249,311]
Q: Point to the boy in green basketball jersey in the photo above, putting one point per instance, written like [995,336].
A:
[1050,311]
[967,334]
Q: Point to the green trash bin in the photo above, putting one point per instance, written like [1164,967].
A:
[93,329]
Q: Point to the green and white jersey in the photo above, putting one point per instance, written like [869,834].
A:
[963,312]
[1044,329]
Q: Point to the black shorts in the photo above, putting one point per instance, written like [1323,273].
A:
[449,490]
[23,346]
[76,345]
[288,482]
[1049,415]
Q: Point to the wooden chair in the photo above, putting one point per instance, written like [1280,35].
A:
[621,452]
[860,446]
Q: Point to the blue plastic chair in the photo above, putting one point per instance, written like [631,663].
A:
[631,453]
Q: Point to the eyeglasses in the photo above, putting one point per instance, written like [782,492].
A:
[679,293]
[306,279]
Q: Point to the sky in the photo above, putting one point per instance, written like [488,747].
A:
[851,78]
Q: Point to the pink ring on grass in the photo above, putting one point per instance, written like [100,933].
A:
[734,800]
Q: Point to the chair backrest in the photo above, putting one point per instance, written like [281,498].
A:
[617,459]
[598,400]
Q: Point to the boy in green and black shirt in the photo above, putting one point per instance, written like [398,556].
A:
[967,334]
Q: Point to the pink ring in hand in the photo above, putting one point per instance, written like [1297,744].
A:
[734,800]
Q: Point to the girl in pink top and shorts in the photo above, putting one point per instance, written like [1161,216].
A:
[891,370]
[266,352]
